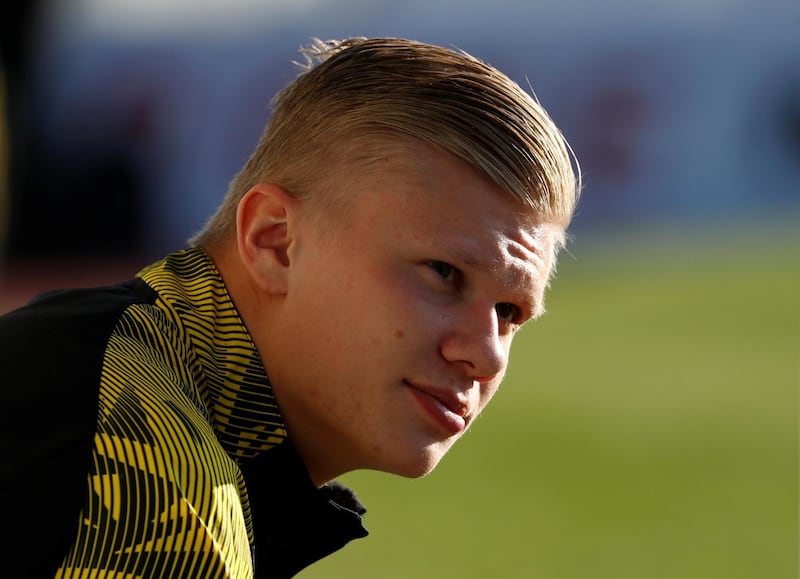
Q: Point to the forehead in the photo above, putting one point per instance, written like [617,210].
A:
[376,164]
[423,196]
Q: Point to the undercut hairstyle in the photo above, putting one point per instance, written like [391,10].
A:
[358,88]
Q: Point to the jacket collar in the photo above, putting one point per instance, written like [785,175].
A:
[225,364]
[295,523]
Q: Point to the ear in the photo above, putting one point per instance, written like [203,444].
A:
[264,233]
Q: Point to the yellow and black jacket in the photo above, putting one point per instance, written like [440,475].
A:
[141,438]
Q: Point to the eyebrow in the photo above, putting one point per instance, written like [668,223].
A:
[516,251]
[516,255]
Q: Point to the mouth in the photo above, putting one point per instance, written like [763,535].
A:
[443,407]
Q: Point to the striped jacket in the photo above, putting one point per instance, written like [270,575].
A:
[140,438]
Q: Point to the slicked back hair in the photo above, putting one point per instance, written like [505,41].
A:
[445,98]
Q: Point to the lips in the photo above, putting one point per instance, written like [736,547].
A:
[445,407]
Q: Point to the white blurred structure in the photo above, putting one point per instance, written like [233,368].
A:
[678,110]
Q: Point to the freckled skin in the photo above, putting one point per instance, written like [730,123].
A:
[375,311]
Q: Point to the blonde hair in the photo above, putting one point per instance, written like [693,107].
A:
[443,97]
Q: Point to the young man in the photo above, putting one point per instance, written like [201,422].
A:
[351,305]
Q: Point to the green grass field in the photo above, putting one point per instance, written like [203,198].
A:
[647,430]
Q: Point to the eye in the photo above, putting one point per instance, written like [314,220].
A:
[445,270]
[507,312]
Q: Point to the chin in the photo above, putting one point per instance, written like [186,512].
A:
[415,466]
[413,472]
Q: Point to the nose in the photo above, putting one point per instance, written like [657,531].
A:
[475,341]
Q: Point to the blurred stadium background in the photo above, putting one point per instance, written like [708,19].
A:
[649,427]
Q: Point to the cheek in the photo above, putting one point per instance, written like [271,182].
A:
[380,310]
[372,320]
[401,304]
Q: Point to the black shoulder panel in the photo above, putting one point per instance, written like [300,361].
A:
[51,355]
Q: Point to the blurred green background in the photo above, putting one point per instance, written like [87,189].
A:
[647,429]
[648,426]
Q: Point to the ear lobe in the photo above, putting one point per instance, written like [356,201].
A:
[264,234]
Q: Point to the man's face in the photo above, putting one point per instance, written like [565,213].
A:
[399,323]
